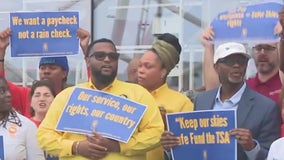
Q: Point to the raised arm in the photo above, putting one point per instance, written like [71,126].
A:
[4,42]
[210,76]
[20,95]
[84,37]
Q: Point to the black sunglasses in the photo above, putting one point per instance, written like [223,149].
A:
[100,56]
[231,61]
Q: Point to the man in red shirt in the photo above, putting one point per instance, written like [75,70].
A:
[267,80]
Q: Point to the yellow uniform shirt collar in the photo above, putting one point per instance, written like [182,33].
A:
[91,85]
[162,88]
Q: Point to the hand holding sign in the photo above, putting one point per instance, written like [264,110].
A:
[206,36]
[95,146]
[105,143]
[84,37]
[90,148]
[169,140]
[281,18]
[5,39]
[244,137]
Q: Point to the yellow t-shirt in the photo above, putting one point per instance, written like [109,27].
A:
[146,136]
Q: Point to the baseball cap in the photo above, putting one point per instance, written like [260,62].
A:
[60,61]
[229,48]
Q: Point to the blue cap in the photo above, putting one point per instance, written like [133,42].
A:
[60,61]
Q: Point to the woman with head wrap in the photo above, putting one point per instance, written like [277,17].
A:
[153,68]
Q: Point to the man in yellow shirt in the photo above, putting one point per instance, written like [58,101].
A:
[102,59]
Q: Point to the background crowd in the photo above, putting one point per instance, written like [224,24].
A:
[28,116]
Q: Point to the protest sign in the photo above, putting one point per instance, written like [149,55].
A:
[247,23]
[204,135]
[44,33]
[112,116]
[1,148]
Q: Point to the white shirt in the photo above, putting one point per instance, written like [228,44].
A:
[276,150]
[20,142]
[231,103]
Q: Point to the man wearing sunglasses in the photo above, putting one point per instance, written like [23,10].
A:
[266,58]
[258,118]
[102,60]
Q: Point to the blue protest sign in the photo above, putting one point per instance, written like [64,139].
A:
[204,135]
[112,116]
[247,23]
[44,33]
[1,148]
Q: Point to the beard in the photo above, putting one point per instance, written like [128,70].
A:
[265,68]
[104,79]
[229,79]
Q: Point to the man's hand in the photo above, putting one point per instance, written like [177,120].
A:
[206,36]
[243,137]
[169,140]
[109,144]
[163,112]
[84,37]
[281,17]
[4,41]
[277,28]
[96,147]
[91,150]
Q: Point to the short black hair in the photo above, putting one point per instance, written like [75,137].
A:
[172,39]
[98,41]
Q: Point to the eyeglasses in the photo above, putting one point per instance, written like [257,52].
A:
[100,56]
[232,61]
[266,48]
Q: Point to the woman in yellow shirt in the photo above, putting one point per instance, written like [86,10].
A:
[153,69]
